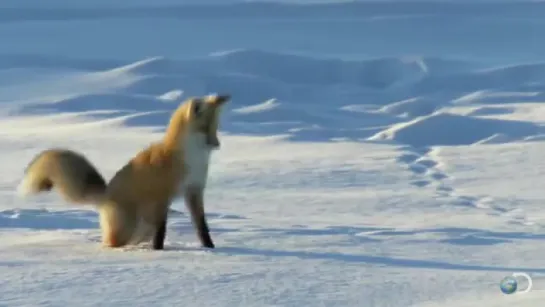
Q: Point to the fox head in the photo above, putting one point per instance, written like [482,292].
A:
[199,115]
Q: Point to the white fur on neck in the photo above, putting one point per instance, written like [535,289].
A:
[197,159]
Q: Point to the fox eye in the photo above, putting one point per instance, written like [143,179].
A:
[197,108]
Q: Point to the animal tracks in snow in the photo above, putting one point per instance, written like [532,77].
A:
[425,167]
[425,164]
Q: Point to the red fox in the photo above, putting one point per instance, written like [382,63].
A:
[133,206]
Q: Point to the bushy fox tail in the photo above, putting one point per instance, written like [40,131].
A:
[66,171]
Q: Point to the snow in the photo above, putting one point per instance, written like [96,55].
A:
[375,153]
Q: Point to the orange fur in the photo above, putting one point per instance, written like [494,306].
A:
[140,193]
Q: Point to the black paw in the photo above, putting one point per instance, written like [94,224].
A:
[208,245]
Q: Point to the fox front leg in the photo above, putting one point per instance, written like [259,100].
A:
[158,241]
[195,204]
[159,237]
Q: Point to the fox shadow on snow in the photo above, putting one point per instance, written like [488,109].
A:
[455,236]
[368,259]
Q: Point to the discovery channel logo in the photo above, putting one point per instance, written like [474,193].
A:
[509,284]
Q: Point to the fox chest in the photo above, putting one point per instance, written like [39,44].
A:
[196,161]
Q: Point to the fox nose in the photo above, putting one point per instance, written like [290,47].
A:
[219,99]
